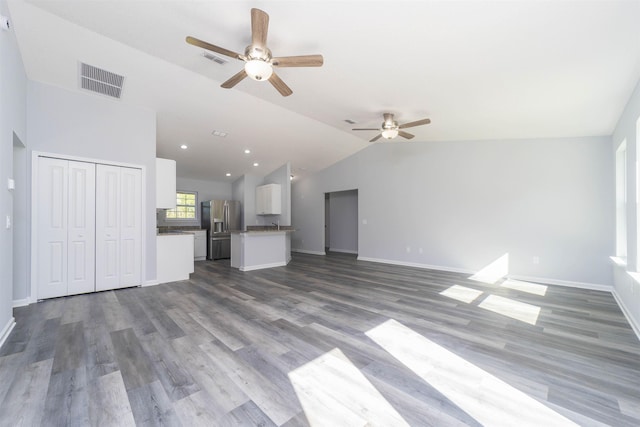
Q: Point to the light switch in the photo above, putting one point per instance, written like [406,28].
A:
[8,222]
[364,222]
[11,184]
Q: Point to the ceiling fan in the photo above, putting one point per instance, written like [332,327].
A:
[390,128]
[258,61]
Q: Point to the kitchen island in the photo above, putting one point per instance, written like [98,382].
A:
[255,249]
[174,256]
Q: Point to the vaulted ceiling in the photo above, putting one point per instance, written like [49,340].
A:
[479,69]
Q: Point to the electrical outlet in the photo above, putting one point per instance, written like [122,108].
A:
[408,249]
[364,222]
[536,260]
[420,250]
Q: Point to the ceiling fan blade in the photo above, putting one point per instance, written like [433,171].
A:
[280,85]
[234,80]
[416,123]
[259,27]
[378,129]
[222,51]
[376,138]
[298,61]
[404,134]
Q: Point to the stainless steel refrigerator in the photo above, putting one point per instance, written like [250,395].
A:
[219,218]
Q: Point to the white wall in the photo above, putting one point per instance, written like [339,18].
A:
[207,190]
[92,126]
[627,286]
[465,204]
[13,86]
[343,221]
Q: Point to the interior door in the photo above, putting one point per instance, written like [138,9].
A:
[107,227]
[81,228]
[130,226]
[52,212]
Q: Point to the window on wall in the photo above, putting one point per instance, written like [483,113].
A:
[185,210]
[621,200]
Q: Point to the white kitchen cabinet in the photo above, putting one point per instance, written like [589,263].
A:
[165,184]
[199,244]
[268,199]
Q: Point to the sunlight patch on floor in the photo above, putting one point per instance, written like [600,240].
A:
[494,271]
[515,309]
[333,392]
[485,397]
[461,293]
[531,288]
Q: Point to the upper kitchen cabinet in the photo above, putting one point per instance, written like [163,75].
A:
[268,200]
[165,184]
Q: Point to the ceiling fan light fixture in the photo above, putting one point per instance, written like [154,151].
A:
[390,133]
[258,69]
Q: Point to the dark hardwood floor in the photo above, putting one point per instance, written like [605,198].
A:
[324,341]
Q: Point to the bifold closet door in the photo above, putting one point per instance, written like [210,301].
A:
[118,227]
[65,208]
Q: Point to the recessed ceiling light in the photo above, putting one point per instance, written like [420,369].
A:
[219,133]
[247,151]
[256,164]
[228,174]
[184,146]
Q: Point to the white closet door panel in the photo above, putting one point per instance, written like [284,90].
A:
[131,227]
[52,227]
[81,223]
[107,227]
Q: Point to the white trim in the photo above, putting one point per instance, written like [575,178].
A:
[567,283]
[417,265]
[304,251]
[634,325]
[542,280]
[150,283]
[7,330]
[261,266]
[21,302]
[343,251]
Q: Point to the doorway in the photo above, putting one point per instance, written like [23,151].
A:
[341,222]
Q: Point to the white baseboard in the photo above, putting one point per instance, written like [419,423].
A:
[21,302]
[542,280]
[567,283]
[343,251]
[627,313]
[417,265]
[261,266]
[304,251]
[150,283]
[4,334]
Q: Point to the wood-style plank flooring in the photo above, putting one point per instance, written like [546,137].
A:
[324,341]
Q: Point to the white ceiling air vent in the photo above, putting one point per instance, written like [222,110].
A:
[101,81]
[214,58]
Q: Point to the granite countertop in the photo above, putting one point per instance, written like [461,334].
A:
[264,229]
[172,233]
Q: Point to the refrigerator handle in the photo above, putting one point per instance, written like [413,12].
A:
[225,215]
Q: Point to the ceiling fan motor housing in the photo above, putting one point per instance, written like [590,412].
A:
[258,62]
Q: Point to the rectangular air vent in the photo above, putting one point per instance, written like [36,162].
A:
[214,58]
[351,122]
[101,81]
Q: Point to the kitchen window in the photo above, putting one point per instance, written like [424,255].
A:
[186,203]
